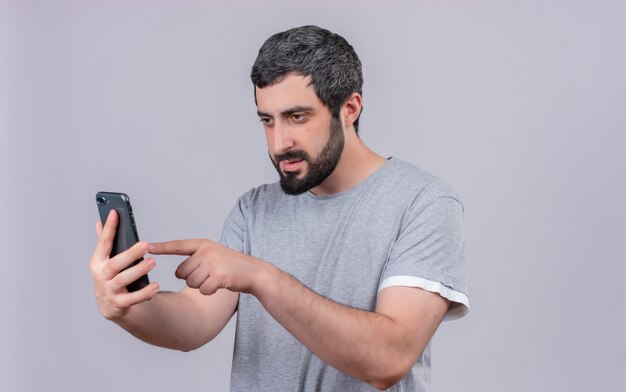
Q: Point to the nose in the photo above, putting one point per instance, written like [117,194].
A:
[282,139]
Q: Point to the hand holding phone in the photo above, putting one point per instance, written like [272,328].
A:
[111,275]
[126,233]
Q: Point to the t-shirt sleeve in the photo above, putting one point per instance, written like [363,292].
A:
[429,251]
[233,230]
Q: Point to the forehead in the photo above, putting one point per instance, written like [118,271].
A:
[293,90]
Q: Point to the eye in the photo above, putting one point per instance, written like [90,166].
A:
[266,120]
[298,117]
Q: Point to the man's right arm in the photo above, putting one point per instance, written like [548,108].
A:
[183,321]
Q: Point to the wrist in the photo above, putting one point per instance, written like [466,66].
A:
[265,278]
[125,318]
[132,317]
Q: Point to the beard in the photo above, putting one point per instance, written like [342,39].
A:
[317,169]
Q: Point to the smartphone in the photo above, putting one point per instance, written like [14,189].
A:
[126,233]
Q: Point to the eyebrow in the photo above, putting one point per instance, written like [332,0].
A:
[288,112]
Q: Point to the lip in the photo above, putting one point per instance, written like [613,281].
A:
[289,166]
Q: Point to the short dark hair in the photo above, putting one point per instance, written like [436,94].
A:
[328,58]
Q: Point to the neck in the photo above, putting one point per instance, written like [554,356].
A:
[357,162]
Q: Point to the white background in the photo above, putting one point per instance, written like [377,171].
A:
[520,105]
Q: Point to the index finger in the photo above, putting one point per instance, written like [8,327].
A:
[178,247]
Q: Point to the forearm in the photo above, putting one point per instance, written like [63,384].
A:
[173,320]
[363,344]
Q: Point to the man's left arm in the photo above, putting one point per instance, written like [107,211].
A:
[378,347]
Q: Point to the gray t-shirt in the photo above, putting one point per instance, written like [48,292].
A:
[399,227]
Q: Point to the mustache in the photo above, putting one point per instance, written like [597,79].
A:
[294,155]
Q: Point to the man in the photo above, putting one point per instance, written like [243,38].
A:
[340,273]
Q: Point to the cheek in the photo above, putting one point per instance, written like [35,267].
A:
[322,136]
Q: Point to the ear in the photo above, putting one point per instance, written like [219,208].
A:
[351,109]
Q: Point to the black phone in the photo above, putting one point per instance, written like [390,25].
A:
[126,233]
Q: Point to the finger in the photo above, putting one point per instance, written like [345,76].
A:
[179,247]
[209,287]
[95,256]
[128,276]
[124,259]
[107,235]
[187,267]
[147,293]
[198,276]
[104,245]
